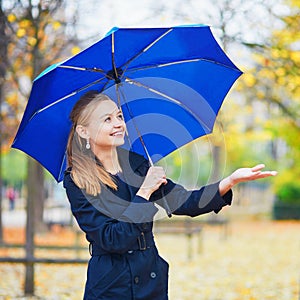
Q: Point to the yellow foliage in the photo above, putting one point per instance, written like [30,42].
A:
[295,56]
[280,72]
[260,59]
[260,95]
[56,25]
[177,161]
[261,136]
[281,80]
[284,53]
[18,63]
[296,3]
[11,98]
[25,23]
[28,71]
[249,109]
[30,31]
[275,53]
[249,79]
[75,50]
[31,41]
[266,73]
[11,18]
[239,87]
[296,81]
[21,32]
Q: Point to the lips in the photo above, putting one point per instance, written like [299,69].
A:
[117,133]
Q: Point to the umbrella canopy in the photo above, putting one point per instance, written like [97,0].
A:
[169,82]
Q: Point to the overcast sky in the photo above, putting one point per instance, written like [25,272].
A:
[96,18]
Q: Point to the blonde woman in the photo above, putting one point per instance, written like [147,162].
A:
[113,193]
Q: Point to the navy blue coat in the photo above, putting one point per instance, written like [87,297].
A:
[125,264]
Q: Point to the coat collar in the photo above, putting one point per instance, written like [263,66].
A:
[130,161]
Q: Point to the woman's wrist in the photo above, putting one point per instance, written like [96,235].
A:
[226,185]
[144,193]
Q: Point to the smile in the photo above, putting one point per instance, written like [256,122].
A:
[118,133]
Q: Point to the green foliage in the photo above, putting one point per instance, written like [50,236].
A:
[290,193]
[269,112]
[189,165]
[14,167]
[287,186]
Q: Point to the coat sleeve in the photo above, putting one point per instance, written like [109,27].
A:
[192,203]
[110,234]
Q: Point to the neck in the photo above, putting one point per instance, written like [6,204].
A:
[109,159]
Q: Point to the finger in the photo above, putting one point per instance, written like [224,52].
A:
[158,168]
[257,168]
[261,175]
[164,181]
[268,173]
[160,171]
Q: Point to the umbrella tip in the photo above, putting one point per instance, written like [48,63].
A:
[111,31]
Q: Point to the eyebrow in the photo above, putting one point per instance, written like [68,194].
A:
[118,110]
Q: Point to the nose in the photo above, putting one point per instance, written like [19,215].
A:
[118,122]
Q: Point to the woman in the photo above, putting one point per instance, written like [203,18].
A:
[113,193]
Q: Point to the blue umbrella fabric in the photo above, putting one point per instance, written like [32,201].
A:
[169,82]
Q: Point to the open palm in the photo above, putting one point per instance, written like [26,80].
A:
[247,174]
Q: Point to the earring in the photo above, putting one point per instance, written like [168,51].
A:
[87,146]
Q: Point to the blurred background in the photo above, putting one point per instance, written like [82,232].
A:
[258,122]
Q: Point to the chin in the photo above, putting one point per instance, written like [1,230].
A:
[119,143]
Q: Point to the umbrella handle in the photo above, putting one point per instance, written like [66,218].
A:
[165,203]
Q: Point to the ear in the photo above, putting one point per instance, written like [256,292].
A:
[82,132]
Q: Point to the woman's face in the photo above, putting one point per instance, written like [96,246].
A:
[106,127]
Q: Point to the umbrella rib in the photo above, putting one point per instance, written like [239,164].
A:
[83,69]
[67,96]
[61,170]
[178,62]
[139,84]
[146,49]
[113,55]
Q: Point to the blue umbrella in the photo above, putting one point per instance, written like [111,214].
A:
[169,82]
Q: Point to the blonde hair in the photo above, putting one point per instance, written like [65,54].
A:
[86,171]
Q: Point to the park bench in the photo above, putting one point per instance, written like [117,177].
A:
[58,215]
[76,248]
[192,227]
[217,221]
[185,227]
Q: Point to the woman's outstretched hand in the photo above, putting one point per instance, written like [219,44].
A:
[242,175]
[246,174]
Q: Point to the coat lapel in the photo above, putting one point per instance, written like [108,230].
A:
[134,169]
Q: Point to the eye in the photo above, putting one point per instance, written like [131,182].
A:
[120,116]
[108,119]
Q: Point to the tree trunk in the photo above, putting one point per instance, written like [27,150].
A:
[30,213]
[40,199]
[1,185]
[3,60]
[35,183]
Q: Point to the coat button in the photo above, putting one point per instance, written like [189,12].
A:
[153,275]
[130,251]
[136,280]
